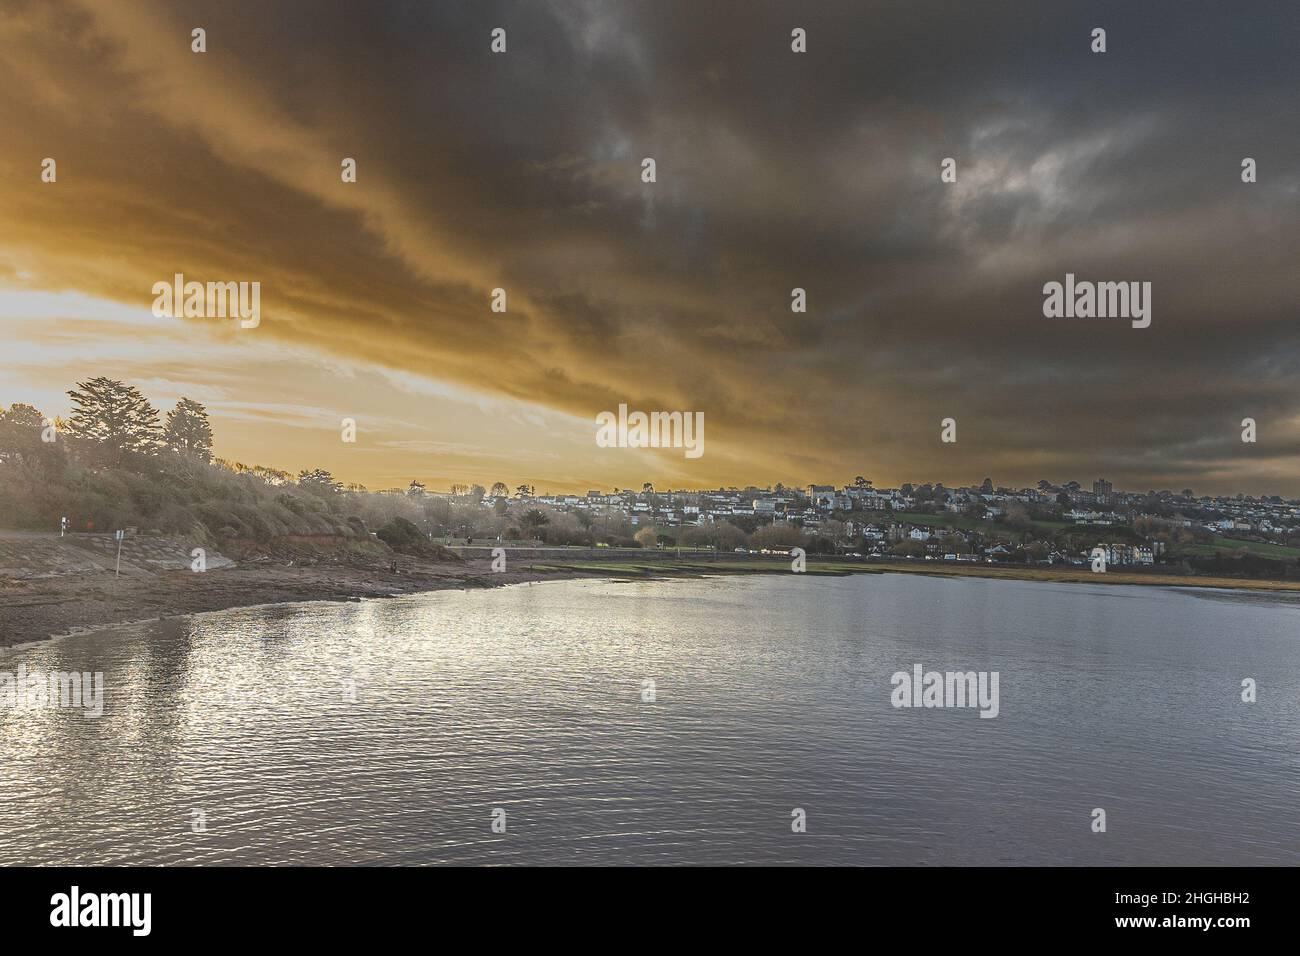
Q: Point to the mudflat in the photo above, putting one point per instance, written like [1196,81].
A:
[48,587]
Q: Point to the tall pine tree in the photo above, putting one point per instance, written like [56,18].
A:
[114,420]
[187,431]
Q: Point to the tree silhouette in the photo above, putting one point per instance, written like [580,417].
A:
[187,431]
[534,520]
[319,482]
[114,419]
[20,432]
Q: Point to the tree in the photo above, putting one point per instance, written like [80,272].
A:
[565,529]
[523,491]
[722,535]
[1017,516]
[415,489]
[534,520]
[402,535]
[646,537]
[779,534]
[319,482]
[278,478]
[476,492]
[437,511]
[500,490]
[953,543]
[860,482]
[836,531]
[114,418]
[26,416]
[459,490]
[20,432]
[1038,550]
[188,431]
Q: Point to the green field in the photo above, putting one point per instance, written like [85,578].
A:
[968,523]
[1278,552]
[692,569]
[688,568]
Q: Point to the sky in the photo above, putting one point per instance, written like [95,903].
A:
[775,170]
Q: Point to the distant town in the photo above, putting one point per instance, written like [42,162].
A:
[117,464]
[1051,524]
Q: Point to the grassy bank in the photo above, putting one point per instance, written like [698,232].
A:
[686,567]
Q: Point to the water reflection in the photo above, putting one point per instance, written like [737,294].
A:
[388,731]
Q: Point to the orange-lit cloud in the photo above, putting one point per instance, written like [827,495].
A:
[521,171]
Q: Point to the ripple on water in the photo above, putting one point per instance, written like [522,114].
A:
[387,732]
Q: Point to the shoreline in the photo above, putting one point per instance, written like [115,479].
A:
[36,610]
[629,569]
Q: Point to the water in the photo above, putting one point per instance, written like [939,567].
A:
[771,693]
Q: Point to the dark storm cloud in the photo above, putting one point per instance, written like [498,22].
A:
[775,170]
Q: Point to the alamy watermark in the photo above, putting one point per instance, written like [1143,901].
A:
[212,300]
[1099,300]
[653,430]
[39,690]
[75,908]
[922,688]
